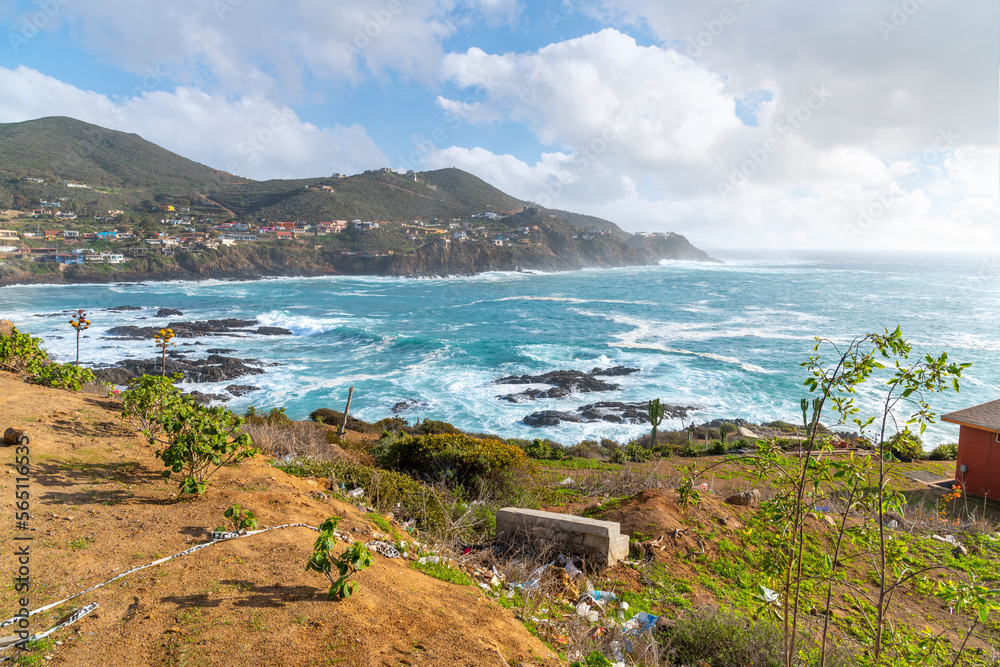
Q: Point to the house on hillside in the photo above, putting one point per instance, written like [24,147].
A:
[978,466]
[8,235]
[60,259]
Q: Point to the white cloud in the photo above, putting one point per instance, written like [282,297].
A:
[603,88]
[900,70]
[262,47]
[846,152]
[248,135]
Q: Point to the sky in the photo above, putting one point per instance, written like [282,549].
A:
[857,124]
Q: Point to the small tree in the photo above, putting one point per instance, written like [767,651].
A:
[81,324]
[355,558]
[241,519]
[656,412]
[861,484]
[164,338]
[146,398]
[199,440]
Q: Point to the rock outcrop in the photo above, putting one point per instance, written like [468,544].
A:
[215,368]
[563,383]
[199,329]
[607,411]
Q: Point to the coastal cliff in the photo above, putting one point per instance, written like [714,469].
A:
[559,252]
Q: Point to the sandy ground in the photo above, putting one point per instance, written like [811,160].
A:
[99,506]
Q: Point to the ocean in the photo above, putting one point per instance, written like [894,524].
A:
[726,338]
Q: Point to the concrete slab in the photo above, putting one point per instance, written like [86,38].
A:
[598,540]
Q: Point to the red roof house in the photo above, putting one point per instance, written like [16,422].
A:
[978,466]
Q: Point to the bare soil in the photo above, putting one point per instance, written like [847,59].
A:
[99,506]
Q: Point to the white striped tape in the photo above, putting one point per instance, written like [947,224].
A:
[217,537]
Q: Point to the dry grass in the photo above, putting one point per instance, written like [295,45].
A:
[291,439]
[632,478]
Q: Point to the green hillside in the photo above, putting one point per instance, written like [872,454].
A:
[69,149]
[124,171]
[374,195]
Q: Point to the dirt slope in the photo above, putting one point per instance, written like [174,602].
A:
[99,507]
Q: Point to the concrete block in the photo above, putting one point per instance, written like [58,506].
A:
[599,541]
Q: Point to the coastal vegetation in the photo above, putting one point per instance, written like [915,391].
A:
[353,559]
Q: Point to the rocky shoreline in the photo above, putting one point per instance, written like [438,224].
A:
[566,383]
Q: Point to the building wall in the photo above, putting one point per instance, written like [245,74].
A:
[980,452]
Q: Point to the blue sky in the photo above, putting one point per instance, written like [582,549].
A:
[762,123]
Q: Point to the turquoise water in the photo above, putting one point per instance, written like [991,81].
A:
[727,338]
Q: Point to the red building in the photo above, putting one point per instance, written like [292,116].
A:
[978,465]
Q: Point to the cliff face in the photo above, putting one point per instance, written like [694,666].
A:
[562,250]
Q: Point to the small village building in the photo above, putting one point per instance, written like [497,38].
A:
[7,235]
[61,259]
[978,466]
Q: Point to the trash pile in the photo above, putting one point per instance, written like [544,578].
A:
[557,597]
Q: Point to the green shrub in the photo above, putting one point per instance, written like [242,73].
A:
[64,376]
[276,417]
[905,446]
[431,427]
[723,639]
[240,519]
[394,425]
[20,353]
[537,449]
[946,452]
[335,417]
[459,461]
[200,440]
[633,452]
[353,559]
[717,447]
[145,399]
[385,490]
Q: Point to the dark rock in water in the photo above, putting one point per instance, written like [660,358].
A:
[196,329]
[241,389]
[167,312]
[118,309]
[609,411]
[273,331]
[617,412]
[403,406]
[615,371]
[550,418]
[205,399]
[563,383]
[220,350]
[213,369]
[117,376]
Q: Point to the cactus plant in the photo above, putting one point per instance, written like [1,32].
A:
[656,412]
